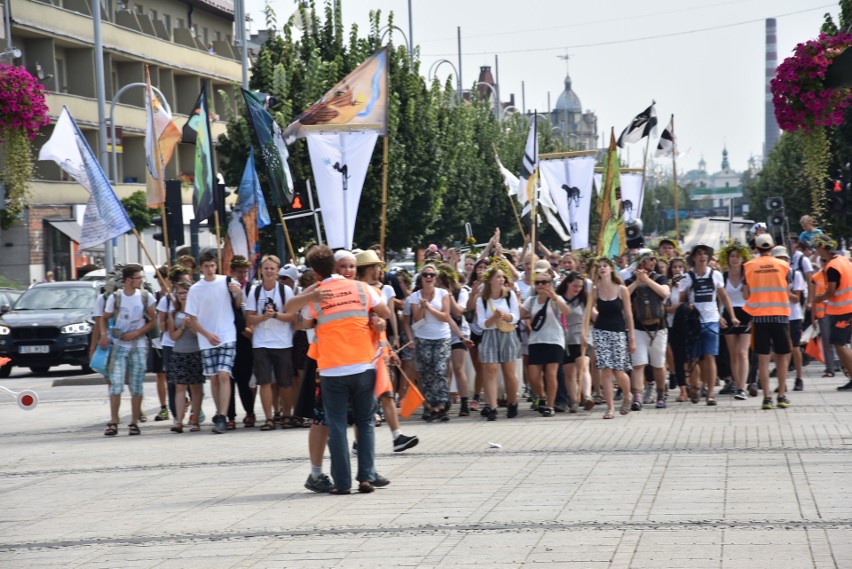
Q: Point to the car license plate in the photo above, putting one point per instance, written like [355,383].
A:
[34,349]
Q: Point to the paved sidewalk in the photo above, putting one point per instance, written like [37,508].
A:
[687,487]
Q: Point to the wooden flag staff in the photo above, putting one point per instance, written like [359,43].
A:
[384,195]
[163,283]
[287,236]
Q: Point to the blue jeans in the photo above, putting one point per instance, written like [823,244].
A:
[338,394]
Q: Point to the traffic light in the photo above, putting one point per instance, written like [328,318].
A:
[174,214]
[776,223]
[296,206]
[837,196]
[157,222]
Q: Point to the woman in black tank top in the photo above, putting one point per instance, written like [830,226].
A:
[613,334]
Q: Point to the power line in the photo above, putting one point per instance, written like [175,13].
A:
[630,40]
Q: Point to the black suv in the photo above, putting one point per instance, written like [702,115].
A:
[51,324]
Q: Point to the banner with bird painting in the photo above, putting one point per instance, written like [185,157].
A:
[358,103]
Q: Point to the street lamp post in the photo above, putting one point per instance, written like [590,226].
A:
[497,105]
[433,70]
[166,107]
[388,29]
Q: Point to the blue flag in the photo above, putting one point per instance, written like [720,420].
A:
[251,195]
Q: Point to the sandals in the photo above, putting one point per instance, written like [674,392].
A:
[546,411]
[297,422]
[682,398]
[711,402]
[694,393]
[231,425]
[177,428]
[625,409]
[133,429]
[194,428]
[366,488]
[608,415]
[248,422]
[828,374]
[268,426]
[339,492]
[111,430]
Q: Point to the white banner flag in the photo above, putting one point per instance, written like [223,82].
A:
[632,196]
[570,184]
[340,162]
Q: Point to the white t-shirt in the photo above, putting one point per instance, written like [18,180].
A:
[433,329]
[706,302]
[99,306]
[464,296]
[798,285]
[551,332]
[271,333]
[166,305]
[130,317]
[373,301]
[523,286]
[484,312]
[735,293]
[210,303]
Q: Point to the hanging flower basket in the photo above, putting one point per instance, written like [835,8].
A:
[804,103]
[23,112]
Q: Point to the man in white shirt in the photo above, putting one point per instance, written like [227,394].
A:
[272,340]
[212,319]
[133,310]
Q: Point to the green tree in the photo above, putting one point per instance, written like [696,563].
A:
[137,209]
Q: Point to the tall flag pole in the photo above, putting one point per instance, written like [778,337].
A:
[512,184]
[668,146]
[534,197]
[611,237]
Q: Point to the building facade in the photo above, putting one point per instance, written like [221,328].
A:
[186,44]
[576,129]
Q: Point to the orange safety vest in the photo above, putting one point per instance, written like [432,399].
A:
[841,302]
[343,335]
[820,286]
[768,290]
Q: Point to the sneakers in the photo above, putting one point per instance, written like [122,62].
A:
[355,448]
[846,387]
[637,401]
[782,402]
[799,385]
[740,395]
[661,400]
[546,411]
[474,404]
[403,442]
[752,390]
[220,424]
[143,418]
[767,404]
[490,414]
[464,410]
[163,415]
[729,388]
[511,411]
[648,396]
[439,416]
[572,408]
[380,481]
[321,485]
[562,407]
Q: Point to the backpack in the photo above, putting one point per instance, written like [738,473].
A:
[648,308]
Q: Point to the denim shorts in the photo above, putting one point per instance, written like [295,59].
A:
[708,342]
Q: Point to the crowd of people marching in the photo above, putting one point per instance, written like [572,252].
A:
[340,341]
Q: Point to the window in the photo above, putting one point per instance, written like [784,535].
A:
[179,24]
[153,15]
[140,10]
[167,20]
[195,30]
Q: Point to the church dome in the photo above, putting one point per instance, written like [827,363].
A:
[568,100]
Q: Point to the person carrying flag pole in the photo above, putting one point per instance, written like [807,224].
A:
[668,146]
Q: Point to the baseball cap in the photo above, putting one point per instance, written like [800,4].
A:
[289,270]
[758,225]
[764,242]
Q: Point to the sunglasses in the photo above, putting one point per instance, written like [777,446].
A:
[428,275]
[542,283]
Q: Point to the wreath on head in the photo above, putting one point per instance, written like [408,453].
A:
[447,273]
[499,263]
[730,247]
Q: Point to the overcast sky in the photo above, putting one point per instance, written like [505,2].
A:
[702,60]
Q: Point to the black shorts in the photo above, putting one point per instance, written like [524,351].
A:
[476,338]
[572,352]
[458,346]
[543,354]
[744,318]
[771,337]
[795,332]
[842,334]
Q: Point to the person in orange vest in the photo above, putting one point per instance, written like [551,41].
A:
[346,353]
[767,293]
[838,299]
[819,286]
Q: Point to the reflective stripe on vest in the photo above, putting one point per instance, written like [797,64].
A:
[841,301]
[768,288]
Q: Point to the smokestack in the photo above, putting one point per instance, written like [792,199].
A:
[771,131]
